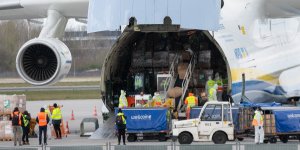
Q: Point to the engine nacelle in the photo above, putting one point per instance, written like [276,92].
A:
[43,61]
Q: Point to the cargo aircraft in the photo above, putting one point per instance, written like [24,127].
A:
[258,38]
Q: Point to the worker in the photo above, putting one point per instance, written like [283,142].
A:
[56,120]
[121,125]
[190,101]
[203,99]
[258,125]
[212,93]
[16,125]
[25,123]
[42,119]
[209,84]
[219,82]
[156,100]
[123,100]
[47,111]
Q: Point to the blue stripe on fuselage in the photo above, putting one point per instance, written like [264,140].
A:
[257,85]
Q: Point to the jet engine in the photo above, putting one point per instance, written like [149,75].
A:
[43,61]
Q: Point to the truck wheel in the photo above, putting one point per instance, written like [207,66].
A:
[219,138]
[185,138]
[131,138]
[162,137]
[284,138]
[273,139]
[266,141]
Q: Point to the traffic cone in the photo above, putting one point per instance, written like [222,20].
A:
[95,111]
[72,116]
[67,131]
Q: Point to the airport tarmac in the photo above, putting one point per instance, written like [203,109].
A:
[81,109]
[84,108]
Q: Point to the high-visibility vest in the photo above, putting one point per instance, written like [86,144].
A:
[56,114]
[211,83]
[123,102]
[190,101]
[17,113]
[211,94]
[220,85]
[157,100]
[123,118]
[256,121]
[25,121]
[47,111]
[42,116]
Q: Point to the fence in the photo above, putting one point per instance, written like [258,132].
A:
[168,146]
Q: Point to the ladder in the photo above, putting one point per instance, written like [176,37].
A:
[186,80]
[170,81]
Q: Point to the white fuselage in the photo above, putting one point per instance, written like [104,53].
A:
[258,38]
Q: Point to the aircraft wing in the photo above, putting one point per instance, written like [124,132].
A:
[29,9]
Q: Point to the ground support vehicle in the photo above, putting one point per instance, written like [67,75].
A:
[279,122]
[147,123]
[215,123]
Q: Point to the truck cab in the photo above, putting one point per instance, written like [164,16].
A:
[214,123]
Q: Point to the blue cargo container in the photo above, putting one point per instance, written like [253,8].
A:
[150,122]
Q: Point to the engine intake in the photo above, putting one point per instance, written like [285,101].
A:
[43,61]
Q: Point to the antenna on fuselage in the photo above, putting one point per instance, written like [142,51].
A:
[243,97]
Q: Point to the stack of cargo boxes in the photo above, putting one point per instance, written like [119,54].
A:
[245,119]
[7,105]
[269,124]
[246,115]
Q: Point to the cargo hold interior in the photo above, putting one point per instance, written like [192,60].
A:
[138,57]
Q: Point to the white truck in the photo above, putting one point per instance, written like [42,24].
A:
[215,124]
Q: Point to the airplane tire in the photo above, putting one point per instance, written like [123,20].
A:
[219,138]
[185,138]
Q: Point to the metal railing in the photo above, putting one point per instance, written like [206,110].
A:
[186,80]
[164,146]
[171,80]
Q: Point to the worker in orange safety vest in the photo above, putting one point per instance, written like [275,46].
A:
[190,101]
[42,119]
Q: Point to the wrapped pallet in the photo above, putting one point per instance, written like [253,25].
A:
[175,92]
[8,105]
[182,67]
[1,105]
[8,131]
[204,58]
[2,125]
[21,102]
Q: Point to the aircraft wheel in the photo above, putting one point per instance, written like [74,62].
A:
[185,138]
[219,138]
